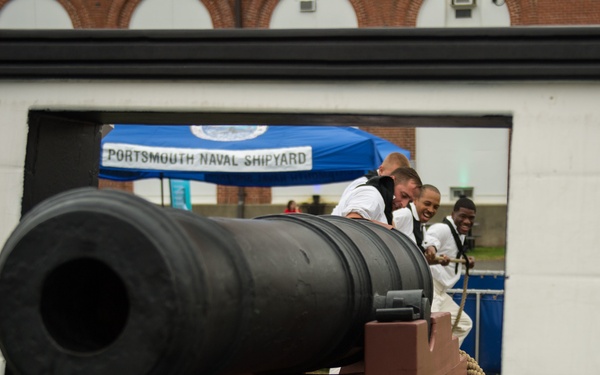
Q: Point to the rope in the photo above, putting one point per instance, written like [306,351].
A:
[463,299]
[472,366]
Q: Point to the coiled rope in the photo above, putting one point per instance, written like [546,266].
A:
[472,365]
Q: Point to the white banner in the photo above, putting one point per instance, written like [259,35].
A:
[121,155]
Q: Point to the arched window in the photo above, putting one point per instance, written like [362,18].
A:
[171,14]
[328,14]
[34,14]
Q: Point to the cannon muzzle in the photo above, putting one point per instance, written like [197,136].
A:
[103,282]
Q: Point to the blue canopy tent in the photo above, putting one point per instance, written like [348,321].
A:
[249,155]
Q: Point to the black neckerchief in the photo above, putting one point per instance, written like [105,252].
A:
[371,174]
[417,229]
[459,245]
[385,186]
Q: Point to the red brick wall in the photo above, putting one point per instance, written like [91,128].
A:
[402,137]
[386,13]
[380,13]
[252,195]
[554,12]
[108,184]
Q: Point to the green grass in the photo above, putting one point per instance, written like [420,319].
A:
[487,253]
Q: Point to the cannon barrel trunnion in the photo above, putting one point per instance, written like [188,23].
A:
[103,282]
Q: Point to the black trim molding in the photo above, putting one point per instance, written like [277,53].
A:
[515,53]
[273,118]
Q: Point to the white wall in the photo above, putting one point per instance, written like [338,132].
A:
[34,14]
[551,289]
[327,192]
[478,158]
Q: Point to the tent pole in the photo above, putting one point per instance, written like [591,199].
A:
[162,192]
[241,194]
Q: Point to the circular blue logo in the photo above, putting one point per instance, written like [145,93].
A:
[228,133]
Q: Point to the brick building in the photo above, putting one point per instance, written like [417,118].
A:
[118,14]
[215,14]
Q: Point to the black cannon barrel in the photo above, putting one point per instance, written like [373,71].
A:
[103,282]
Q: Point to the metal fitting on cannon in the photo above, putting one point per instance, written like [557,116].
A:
[403,306]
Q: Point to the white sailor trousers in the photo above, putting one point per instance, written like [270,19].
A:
[442,302]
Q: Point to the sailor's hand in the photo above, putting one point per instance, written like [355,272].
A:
[443,260]
[430,254]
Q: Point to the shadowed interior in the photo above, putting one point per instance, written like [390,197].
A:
[84,305]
